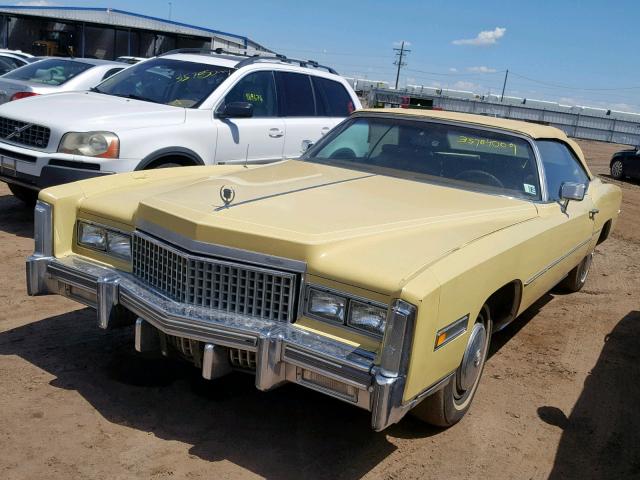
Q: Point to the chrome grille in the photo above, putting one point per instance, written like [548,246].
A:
[24,133]
[214,283]
[242,358]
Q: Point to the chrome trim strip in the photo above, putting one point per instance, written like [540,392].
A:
[222,251]
[556,262]
[458,327]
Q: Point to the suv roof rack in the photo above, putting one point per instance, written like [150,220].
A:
[205,51]
[283,59]
[249,59]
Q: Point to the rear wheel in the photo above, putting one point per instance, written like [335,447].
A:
[617,169]
[25,194]
[447,406]
[166,165]
[578,276]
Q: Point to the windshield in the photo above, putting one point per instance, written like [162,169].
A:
[170,82]
[53,71]
[468,158]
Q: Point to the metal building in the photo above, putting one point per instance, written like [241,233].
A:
[106,33]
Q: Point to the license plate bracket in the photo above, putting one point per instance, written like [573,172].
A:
[8,166]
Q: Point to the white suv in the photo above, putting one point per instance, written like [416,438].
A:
[182,108]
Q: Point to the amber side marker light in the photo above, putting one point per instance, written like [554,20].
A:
[451,331]
[441,339]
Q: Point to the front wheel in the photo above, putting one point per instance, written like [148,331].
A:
[25,194]
[448,405]
[617,169]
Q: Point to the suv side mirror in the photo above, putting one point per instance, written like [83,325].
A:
[571,191]
[236,110]
[306,145]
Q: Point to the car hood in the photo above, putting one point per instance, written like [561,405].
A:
[368,230]
[84,111]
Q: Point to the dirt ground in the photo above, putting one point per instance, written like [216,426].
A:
[559,397]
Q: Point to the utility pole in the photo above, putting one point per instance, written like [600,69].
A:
[400,53]
[504,85]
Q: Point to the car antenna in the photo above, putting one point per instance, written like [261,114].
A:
[246,157]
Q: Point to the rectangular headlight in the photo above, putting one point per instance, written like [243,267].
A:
[367,317]
[92,236]
[326,305]
[119,244]
[105,239]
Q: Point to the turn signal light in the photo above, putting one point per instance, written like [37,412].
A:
[19,95]
[441,338]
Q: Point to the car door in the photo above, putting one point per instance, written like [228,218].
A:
[259,138]
[298,108]
[565,234]
[632,165]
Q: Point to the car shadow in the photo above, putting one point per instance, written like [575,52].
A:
[15,216]
[631,181]
[289,432]
[601,436]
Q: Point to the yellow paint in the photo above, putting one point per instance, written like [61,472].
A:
[444,250]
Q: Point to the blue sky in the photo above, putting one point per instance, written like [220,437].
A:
[576,52]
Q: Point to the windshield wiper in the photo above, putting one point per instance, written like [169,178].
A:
[132,96]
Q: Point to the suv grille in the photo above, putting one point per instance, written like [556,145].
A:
[213,283]
[24,133]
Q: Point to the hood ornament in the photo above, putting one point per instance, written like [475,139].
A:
[227,194]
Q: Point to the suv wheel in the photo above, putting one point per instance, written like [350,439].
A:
[25,194]
[448,405]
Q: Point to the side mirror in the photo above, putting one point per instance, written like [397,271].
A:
[571,191]
[306,145]
[236,110]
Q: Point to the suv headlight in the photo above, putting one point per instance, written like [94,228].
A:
[340,308]
[91,144]
[104,239]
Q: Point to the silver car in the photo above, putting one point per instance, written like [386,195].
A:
[53,75]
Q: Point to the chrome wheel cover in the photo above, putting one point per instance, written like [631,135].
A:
[473,359]
[584,267]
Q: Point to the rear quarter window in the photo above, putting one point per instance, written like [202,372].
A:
[332,99]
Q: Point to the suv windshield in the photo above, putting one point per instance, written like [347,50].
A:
[170,82]
[468,158]
[53,71]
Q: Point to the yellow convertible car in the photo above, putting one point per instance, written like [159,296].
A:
[374,269]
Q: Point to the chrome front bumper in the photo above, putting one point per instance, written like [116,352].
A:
[283,352]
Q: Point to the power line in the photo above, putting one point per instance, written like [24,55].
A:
[556,85]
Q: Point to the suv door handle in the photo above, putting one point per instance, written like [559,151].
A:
[324,130]
[275,132]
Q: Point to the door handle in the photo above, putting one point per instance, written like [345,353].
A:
[324,130]
[593,212]
[275,132]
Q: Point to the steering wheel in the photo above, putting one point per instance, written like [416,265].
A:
[480,176]
[343,153]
